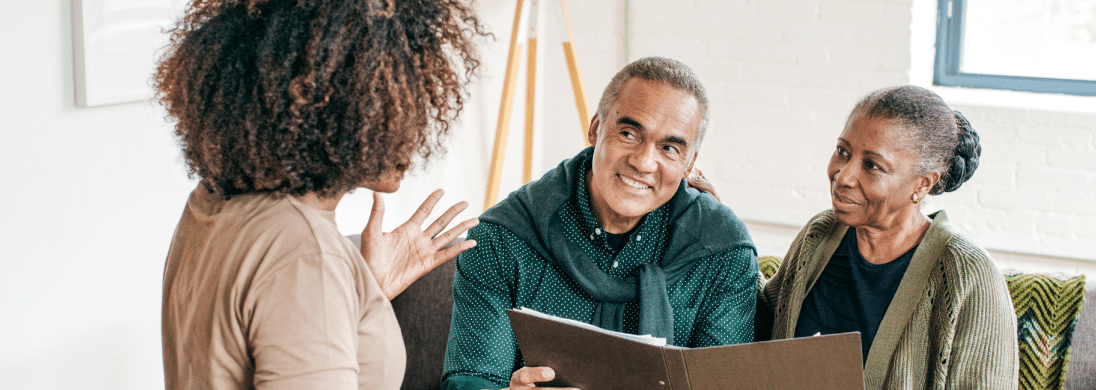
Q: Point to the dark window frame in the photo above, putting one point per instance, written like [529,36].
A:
[946,72]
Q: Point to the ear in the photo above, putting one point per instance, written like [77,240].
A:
[592,132]
[925,184]
[692,162]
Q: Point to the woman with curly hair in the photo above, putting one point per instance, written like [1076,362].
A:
[932,310]
[282,107]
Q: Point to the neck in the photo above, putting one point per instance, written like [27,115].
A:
[313,199]
[609,220]
[883,244]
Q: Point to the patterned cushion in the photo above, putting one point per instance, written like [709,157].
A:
[768,265]
[1047,308]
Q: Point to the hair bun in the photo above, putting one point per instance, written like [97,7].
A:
[965,160]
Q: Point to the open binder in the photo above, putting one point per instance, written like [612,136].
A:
[596,359]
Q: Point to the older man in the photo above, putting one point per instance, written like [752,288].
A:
[612,237]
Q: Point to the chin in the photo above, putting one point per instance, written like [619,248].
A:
[385,187]
[631,210]
[846,217]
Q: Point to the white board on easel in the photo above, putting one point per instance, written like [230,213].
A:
[117,44]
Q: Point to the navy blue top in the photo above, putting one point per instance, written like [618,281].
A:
[851,295]
[617,241]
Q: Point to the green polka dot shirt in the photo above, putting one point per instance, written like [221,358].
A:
[712,305]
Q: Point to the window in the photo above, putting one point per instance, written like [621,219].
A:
[1022,45]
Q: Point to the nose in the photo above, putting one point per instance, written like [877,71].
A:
[645,160]
[844,175]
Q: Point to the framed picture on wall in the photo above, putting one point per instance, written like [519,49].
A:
[117,43]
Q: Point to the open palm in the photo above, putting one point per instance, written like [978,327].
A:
[400,257]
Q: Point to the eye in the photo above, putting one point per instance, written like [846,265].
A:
[871,165]
[627,134]
[671,149]
[841,152]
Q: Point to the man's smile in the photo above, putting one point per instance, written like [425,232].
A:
[633,183]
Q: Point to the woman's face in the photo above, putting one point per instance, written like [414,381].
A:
[388,182]
[872,177]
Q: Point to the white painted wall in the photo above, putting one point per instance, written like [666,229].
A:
[92,195]
[91,198]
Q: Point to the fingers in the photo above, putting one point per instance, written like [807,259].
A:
[529,376]
[376,217]
[451,252]
[444,219]
[424,210]
[447,237]
[696,175]
[697,180]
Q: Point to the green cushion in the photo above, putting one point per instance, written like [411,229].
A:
[1047,308]
[768,265]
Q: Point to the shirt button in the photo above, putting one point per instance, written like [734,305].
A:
[591,237]
[597,231]
[616,264]
[639,238]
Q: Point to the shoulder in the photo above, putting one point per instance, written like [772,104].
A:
[291,230]
[537,201]
[973,267]
[820,224]
[735,261]
[813,233]
[494,242]
[961,248]
[701,225]
[822,228]
[491,231]
[498,259]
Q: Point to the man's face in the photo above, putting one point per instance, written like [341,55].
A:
[643,147]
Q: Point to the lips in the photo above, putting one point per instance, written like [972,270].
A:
[842,199]
[632,183]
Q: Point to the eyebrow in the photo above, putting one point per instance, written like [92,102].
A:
[867,152]
[625,120]
[677,140]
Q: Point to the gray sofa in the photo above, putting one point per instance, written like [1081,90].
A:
[1081,371]
[424,311]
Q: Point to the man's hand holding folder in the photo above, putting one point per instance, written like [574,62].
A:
[527,377]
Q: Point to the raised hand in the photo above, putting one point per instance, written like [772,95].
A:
[400,257]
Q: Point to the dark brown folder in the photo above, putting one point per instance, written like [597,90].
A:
[603,360]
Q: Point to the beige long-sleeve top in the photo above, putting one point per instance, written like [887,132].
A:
[951,324]
[263,292]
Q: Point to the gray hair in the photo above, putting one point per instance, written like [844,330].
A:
[941,138]
[672,72]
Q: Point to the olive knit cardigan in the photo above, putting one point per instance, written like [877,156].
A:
[951,324]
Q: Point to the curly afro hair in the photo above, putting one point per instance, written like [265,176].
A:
[299,96]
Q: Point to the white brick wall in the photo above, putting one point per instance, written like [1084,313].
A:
[783,75]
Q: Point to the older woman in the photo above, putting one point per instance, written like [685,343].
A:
[284,106]
[932,310]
